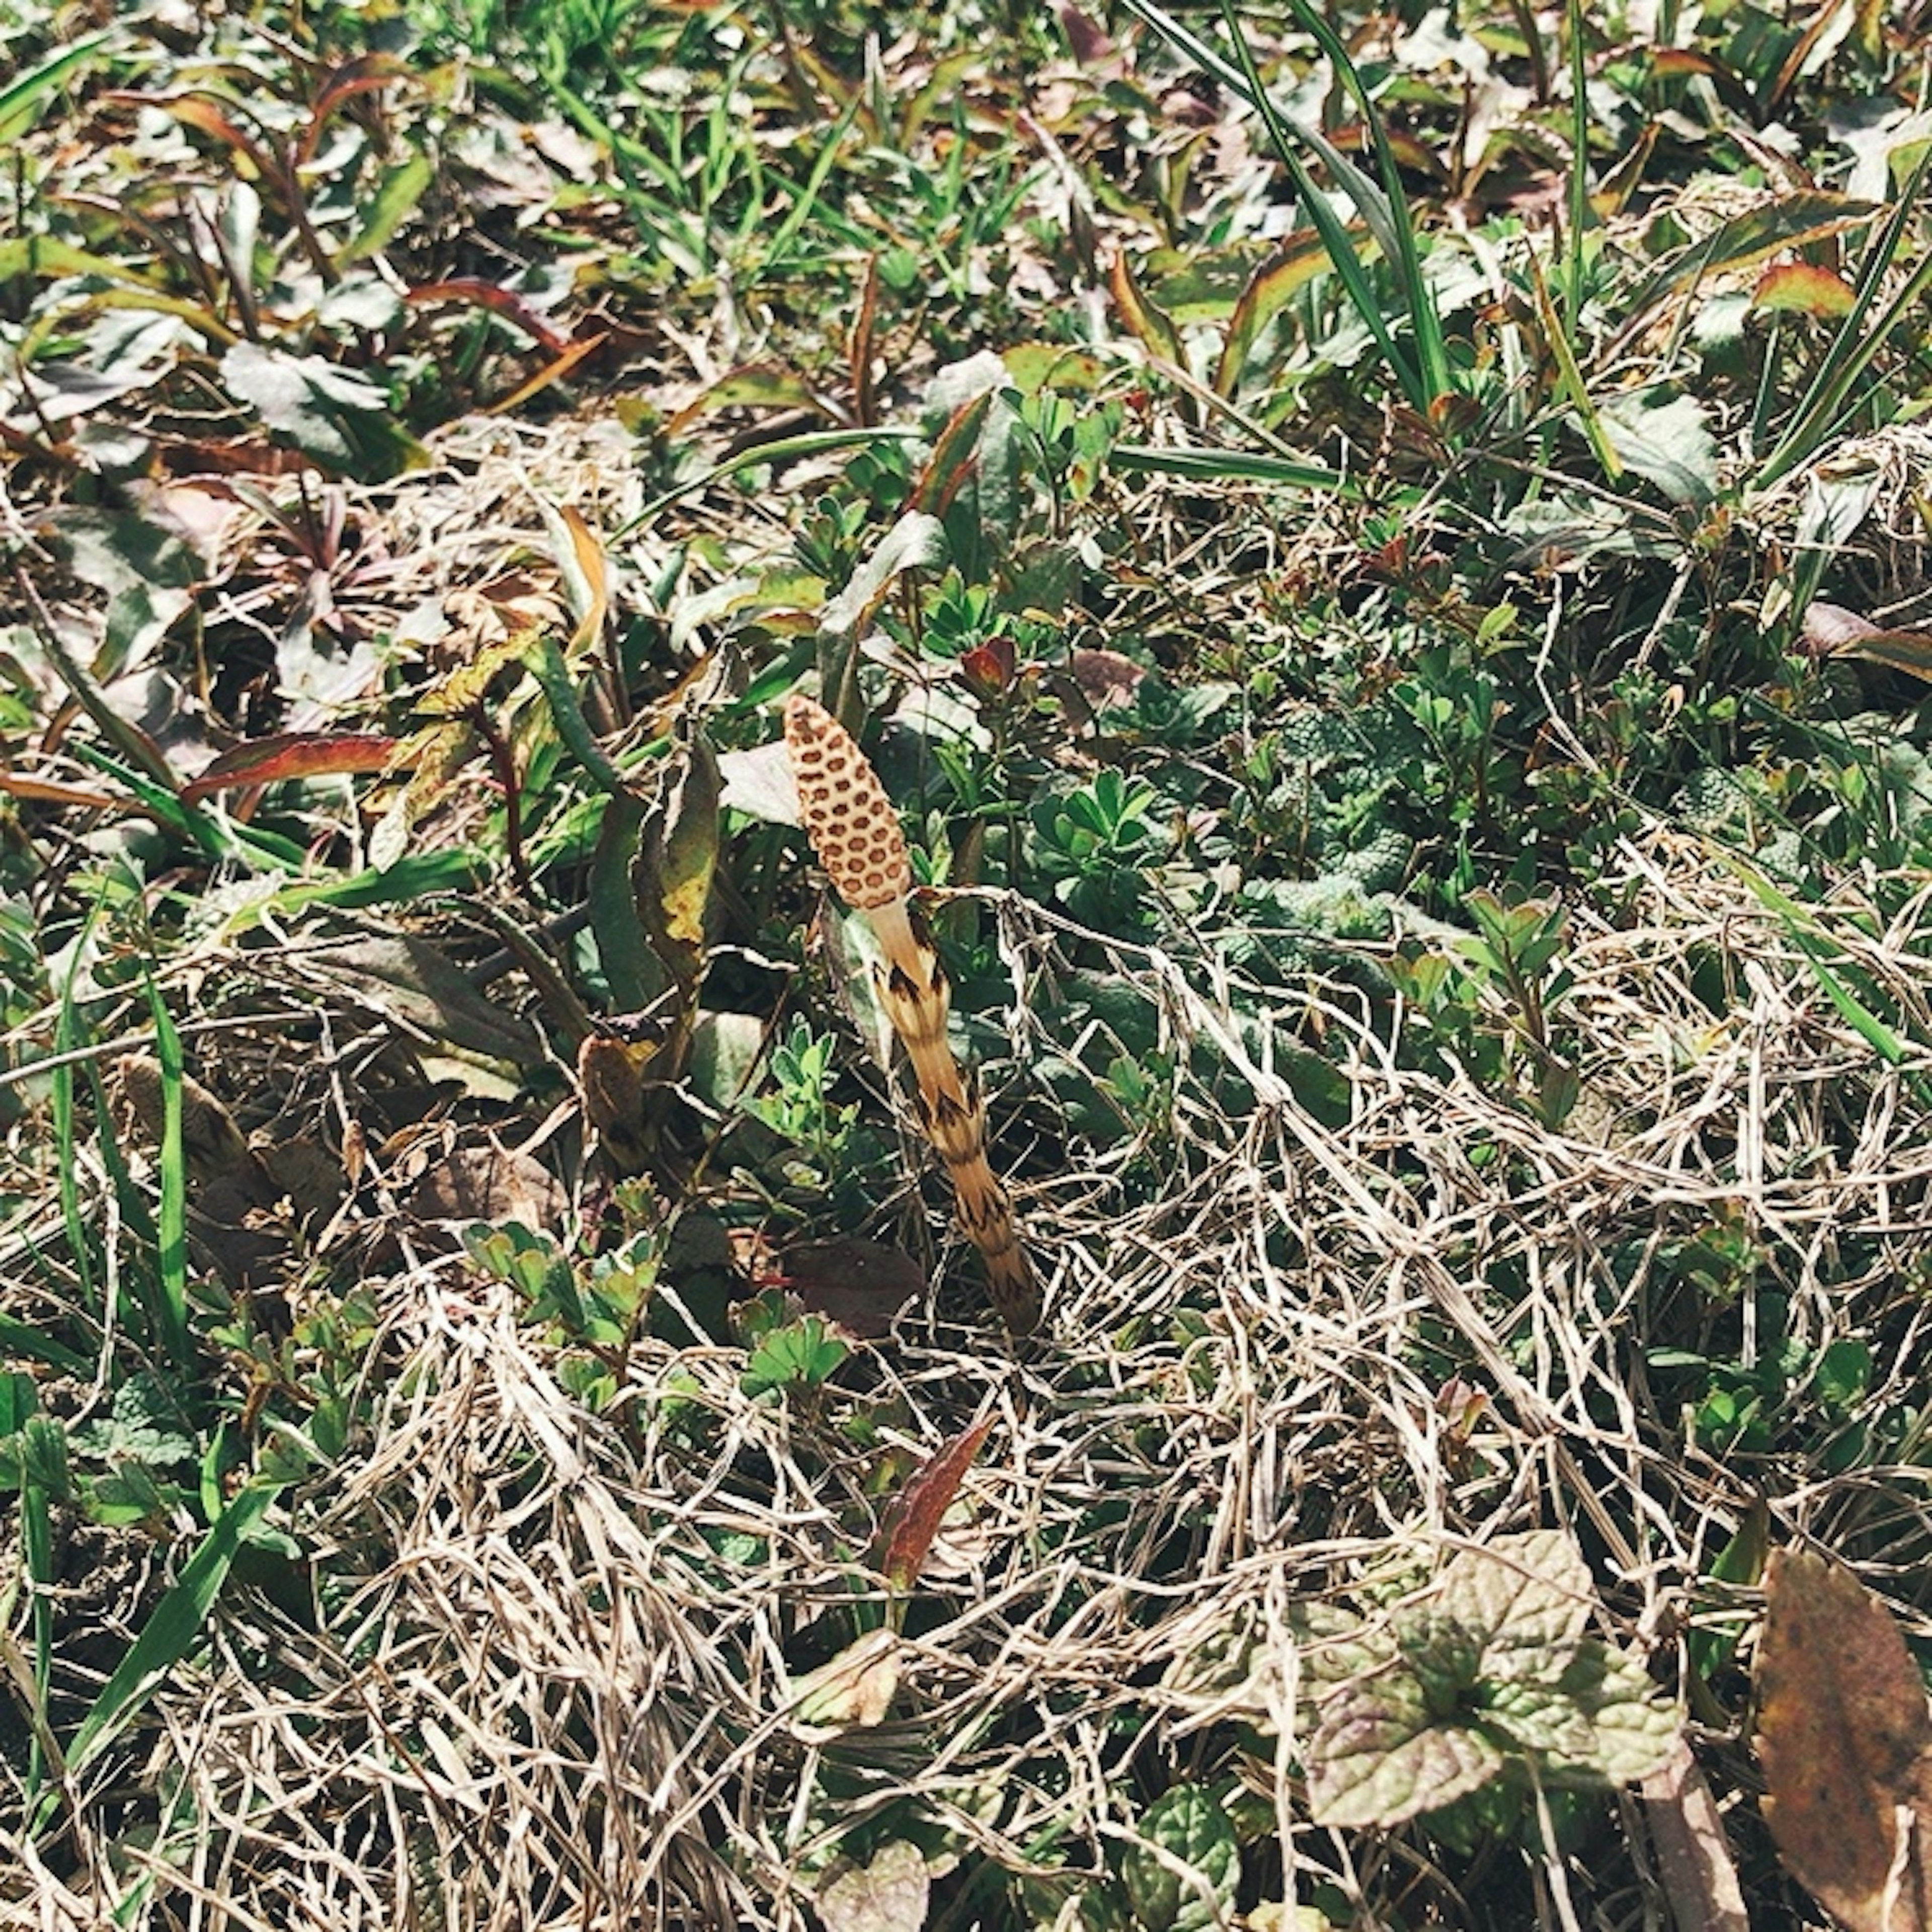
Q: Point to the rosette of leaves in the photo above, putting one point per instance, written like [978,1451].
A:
[1485,1676]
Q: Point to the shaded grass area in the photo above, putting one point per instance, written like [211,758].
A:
[1381,560]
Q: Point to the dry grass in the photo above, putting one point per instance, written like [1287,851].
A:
[550,1685]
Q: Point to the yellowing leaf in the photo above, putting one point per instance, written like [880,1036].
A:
[855,1687]
[1843,1735]
[1802,288]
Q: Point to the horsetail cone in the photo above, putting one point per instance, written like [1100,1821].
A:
[847,816]
[856,833]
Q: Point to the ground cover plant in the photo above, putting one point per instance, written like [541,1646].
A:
[1378,556]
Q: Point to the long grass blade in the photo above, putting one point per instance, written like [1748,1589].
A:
[170,1313]
[1425,320]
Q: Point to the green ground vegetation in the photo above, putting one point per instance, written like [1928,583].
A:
[1382,556]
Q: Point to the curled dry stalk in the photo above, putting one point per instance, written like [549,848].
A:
[856,833]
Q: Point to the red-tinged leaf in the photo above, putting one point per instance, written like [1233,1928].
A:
[551,372]
[1804,288]
[989,667]
[1152,327]
[1301,260]
[953,458]
[205,115]
[1833,632]
[922,1504]
[292,754]
[367,73]
[44,791]
[480,294]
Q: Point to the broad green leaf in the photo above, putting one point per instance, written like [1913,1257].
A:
[1529,1594]
[1187,1823]
[1150,325]
[1380,1755]
[1666,440]
[1803,288]
[1599,1721]
[144,1423]
[339,417]
[892,1894]
[917,541]
[1270,290]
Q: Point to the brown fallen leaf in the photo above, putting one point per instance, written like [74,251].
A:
[860,1284]
[490,1184]
[1843,1736]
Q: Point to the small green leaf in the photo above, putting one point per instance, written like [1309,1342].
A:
[145,1426]
[1666,440]
[1188,1823]
[1599,1721]
[803,1355]
[339,417]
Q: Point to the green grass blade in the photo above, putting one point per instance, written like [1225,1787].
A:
[1245,80]
[170,1314]
[787,449]
[1231,465]
[171,1633]
[70,1032]
[1579,183]
[1824,957]
[1425,320]
[1556,335]
[21,100]
[1853,344]
[801,209]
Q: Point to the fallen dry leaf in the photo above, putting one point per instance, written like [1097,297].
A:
[860,1284]
[1844,1734]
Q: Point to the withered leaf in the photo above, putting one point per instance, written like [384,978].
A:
[860,1284]
[611,1069]
[676,859]
[922,1504]
[1844,1734]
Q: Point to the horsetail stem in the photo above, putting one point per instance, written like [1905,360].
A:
[855,831]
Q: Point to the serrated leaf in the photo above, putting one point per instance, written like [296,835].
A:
[145,1425]
[1529,1593]
[1189,1824]
[922,1504]
[1380,1755]
[1601,1720]
[891,1894]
